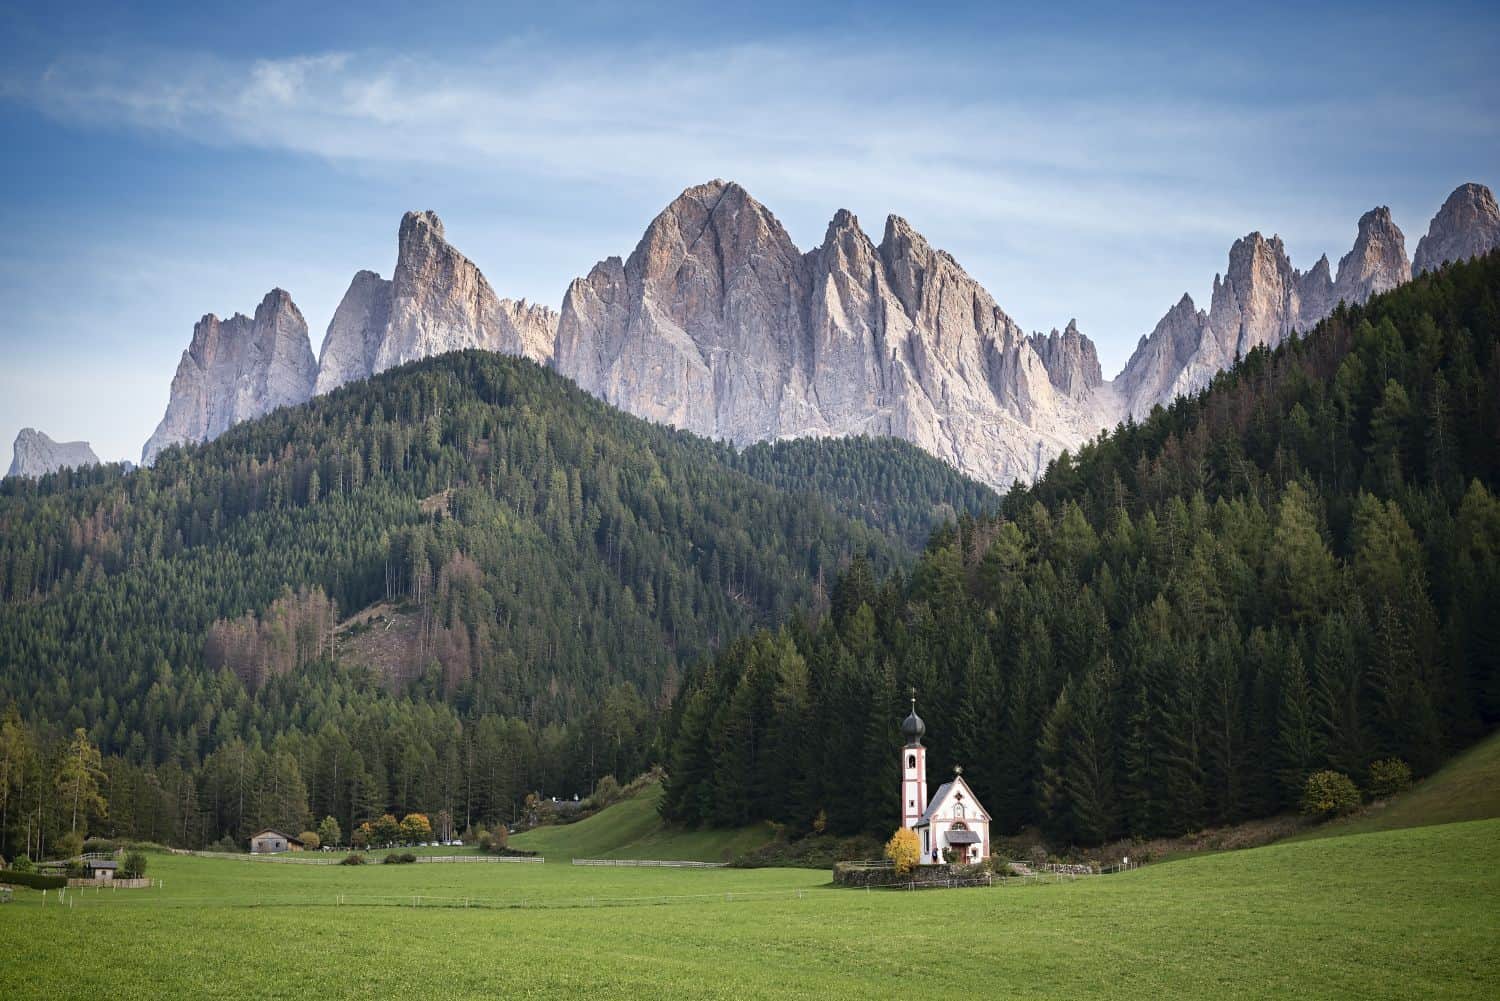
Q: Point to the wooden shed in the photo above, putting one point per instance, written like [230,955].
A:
[268,842]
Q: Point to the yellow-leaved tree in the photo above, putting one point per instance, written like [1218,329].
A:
[903,850]
[416,828]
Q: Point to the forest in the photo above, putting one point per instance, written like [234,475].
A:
[563,566]
[1293,570]
[1297,569]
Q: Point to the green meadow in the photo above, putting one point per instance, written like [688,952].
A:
[633,829]
[1397,914]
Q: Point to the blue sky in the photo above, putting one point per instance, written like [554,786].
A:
[166,161]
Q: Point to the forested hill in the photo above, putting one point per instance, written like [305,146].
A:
[549,558]
[1299,569]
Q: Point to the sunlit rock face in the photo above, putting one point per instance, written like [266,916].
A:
[436,301]
[1466,226]
[234,370]
[719,324]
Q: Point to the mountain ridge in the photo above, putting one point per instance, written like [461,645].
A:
[718,323]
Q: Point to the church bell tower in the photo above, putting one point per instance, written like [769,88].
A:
[913,767]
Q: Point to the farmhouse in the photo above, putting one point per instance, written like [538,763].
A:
[268,842]
[953,821]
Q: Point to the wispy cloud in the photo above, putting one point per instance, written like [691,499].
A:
[908,128]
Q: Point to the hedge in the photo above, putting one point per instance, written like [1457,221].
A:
[35,880]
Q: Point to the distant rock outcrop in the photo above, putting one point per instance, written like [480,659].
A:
[717,323]
[1466,226]
[1257,302]
[36,455]
[1071,360]
[234,370]
[436,301]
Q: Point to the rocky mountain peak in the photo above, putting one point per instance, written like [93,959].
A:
[717,323]
[237,369]
[436,301]
[418,225]
[1466,226]
[1376,263]
[35,455]
[1071,360]
[1256,303]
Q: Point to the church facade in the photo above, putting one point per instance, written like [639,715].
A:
[950,826]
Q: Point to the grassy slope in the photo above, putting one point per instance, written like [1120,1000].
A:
[633,829]
[1466,788]
[1398,914]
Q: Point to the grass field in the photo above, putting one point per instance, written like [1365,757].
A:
[1467,788]
[633,829]
[1412,913]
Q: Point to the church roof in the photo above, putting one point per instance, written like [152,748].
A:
[941,796]
[932,805]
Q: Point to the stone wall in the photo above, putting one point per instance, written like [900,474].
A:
[874,874]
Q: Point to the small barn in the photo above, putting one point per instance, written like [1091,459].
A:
[101,870]
[269,842]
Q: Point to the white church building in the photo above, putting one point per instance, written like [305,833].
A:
[953,818]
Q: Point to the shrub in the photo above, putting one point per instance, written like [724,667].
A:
[903,850]
[23,863]
[355,859]
[1329,794]
[363,836]
[403,858]
[100,846]
[499,838]
[35,880]
[1388,777]
[607,792]
[133,866]
[310,840]
[76,869]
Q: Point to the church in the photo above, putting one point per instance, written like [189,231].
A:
[953,818]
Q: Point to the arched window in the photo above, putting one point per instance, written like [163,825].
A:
[911,761]
[958,808]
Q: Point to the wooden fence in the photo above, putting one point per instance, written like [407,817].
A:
[318,858]
[112,884]
[480,858]
[658,863]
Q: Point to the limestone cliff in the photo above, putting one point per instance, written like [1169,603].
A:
[234,370]
[436,301]
[717,323]
[1466,226]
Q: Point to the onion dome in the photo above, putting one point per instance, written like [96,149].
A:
[912,728]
